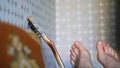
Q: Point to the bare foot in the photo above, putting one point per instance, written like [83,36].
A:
[107,56]
[80,57]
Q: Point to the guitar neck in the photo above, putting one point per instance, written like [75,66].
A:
[49,42]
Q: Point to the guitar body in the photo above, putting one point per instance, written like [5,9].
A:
[18,49]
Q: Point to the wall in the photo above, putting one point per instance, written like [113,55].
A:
[16,13]
[87,21]
[84,20]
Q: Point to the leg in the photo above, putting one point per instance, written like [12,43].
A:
[80,57]
[107,56]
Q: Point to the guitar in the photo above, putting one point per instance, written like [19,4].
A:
[48,41]
[17,50]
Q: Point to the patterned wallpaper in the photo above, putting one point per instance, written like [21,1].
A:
[87,21]
[84,20]
[16,13]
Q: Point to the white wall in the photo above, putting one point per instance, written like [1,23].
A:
[16,12]
[84,20]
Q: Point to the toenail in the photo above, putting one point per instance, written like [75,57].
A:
[99,42]
[76,42]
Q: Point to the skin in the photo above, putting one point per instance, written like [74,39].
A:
[80,57]
[107,56]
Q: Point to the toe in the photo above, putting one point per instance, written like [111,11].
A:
[106,49]
[79,45]
[100,51]
[100,48]
[72,62]
[73,53]
[116,56]
[112,52]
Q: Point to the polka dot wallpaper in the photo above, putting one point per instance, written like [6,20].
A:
[16,12]
[86,20]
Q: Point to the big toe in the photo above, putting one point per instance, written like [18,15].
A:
[79,45]
[100,51]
